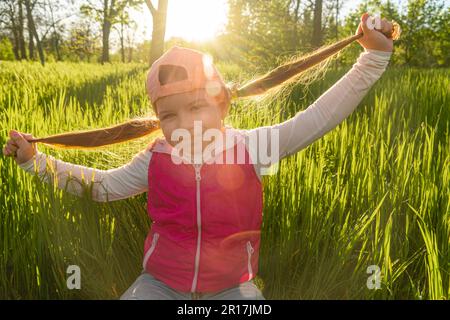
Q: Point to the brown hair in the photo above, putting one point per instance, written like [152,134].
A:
[274,81]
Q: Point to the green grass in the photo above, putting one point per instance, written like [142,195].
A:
[374,191]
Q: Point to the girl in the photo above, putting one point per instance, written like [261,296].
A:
[205,237]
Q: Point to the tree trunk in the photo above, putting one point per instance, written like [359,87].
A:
[317,25]
[30,43]
[130,53]
[159,31]
[15,44]
[122,51]
[56,43]
[122,47]
[106,30]
[296,16]
[34,32]
[337,20]
[22,49]
[55,37]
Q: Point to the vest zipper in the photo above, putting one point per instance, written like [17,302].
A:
[150,251]
[250,250]
[199,226]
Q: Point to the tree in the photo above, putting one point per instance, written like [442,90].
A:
[9,14]
[54,25]
[422,26]
[107,13]
[21,38]
[295,22]
[159,28]
[262,33]
[334,7]
[317,36]
[82,41]
[443,40]
[29,5]
[130,39]
[123,30]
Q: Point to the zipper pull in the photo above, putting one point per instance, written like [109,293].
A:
[197,172]
[249,247]
[155,238]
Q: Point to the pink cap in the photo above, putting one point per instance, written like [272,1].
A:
[200,70]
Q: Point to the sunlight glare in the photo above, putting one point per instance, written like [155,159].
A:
[196,20]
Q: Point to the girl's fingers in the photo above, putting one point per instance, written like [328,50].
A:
[11,143]
[359,29]
[386,27]
[29,136]
[7,152]
[12,148]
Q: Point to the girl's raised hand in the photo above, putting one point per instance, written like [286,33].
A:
[377,39]
[19,147]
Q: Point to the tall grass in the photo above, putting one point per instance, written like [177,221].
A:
[374,191]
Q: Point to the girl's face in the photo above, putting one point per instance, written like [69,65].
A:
[179,111]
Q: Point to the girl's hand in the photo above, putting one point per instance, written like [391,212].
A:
[19,148]
[377,39]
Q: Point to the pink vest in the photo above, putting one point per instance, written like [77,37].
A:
[205,235]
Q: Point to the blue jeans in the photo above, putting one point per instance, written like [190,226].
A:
[147,287]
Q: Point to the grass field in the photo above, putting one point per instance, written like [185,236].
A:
[374,191]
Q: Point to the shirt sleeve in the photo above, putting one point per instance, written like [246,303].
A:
[329,110]
[107,185]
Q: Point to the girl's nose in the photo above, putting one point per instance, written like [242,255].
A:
[186,121]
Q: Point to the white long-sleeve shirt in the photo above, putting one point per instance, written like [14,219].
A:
[329,110]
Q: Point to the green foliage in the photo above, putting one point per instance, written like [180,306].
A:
[425,38]
[266,33]
[6,49]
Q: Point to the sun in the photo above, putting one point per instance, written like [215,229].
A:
[195,20]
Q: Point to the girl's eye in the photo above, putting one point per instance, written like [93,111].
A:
[169,116]
[197,107]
